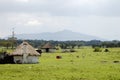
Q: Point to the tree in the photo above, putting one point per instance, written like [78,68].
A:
[13,41]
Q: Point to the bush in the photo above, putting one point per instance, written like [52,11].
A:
[97,49]
[106,50]
[72,50]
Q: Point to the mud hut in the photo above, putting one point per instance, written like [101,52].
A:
[25,53]
[48,48]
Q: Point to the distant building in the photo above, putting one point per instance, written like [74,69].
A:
[25,53]
[48,48]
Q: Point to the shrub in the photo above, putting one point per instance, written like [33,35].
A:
[72,50]
[106,50]
[97,49]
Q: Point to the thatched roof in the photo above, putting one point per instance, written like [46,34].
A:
[47,45]
[28,49]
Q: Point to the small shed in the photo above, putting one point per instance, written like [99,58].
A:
[48,47]
[25,53]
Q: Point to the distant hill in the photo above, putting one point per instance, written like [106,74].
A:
[60,36]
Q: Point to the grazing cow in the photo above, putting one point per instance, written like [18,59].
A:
[115,61]
[58,57]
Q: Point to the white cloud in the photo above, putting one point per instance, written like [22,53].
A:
[22,0]
[33,23]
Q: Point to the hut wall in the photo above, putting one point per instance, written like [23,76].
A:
[50,50]
[33,59]
[18,59]
[29,59]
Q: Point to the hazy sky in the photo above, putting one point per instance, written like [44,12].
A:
[94,17]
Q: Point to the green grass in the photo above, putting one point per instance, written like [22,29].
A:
[88,66]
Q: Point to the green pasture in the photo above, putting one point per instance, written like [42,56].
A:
[81,65]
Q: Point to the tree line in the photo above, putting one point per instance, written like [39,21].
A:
[63,44]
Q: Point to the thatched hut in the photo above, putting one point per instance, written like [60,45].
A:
[48,48]
[25,53]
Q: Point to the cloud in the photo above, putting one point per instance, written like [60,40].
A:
[63,7]
[33,23]
[22,1]
[93,17]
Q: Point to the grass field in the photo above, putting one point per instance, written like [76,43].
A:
[81,65]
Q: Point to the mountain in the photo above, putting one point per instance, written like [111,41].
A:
[60,36]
